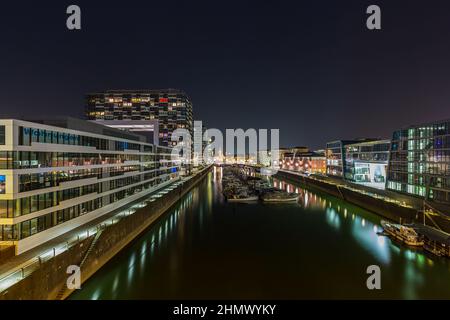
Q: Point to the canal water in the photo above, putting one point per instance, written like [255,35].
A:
[319,248]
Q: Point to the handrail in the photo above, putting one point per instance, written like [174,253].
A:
[28,267]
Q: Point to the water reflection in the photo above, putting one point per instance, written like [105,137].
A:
[138,259]
[131,270]
[115,286]
[332,218]
[365,233]
[367,237]
[204,239]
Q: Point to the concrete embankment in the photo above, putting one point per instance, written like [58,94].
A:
[378,205]
[49,281]
[389,210]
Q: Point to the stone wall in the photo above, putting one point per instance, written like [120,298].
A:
[50,277]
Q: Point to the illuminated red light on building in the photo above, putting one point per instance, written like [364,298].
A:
[304,162]
[163,100]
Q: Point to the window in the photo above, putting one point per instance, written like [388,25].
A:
[2,184]
[25,229]
[2,135]
[3,208]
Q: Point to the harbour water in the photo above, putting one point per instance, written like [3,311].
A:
[319,248]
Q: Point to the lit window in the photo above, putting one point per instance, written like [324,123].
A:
[2,184]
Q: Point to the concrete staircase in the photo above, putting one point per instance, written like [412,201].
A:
[62,292]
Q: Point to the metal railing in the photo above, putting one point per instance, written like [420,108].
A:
[346,186]
[25,269]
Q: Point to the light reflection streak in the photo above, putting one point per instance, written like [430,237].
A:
[370,240]
[378,246]
[360,226]
[96,294]
[131,270]
[333,218]
[115,285]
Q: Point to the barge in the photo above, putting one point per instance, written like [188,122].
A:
[402,233]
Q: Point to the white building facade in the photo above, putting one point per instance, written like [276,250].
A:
[55,178]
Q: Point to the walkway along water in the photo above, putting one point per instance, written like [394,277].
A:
[48,280]
[380,205]
[207,248]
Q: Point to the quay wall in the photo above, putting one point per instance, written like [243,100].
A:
[388,210]
[48,282]
[49,277]
[379,206]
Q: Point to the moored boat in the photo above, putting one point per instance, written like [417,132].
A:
[280,197]
[405,234]
[243,199]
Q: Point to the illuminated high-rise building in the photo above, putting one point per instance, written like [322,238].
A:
[366,163]
[419,162]
[172,109]
[58,175]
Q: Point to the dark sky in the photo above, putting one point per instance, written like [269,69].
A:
[310,68]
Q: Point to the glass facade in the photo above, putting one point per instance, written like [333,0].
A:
[9,208]
[51,187]
[420,161]
[366,163]
[29,160]
[172,108]
[27,136]
[334,154]
[2,184]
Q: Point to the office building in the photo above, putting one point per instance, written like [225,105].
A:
[366,163]
[57,175]
[419,162]
[170,107]
[147,128]
[335,154]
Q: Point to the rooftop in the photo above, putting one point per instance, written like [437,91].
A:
[88,126]
[354,141]
[426,124]
[140,91]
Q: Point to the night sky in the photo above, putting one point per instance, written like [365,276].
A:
[310,68]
